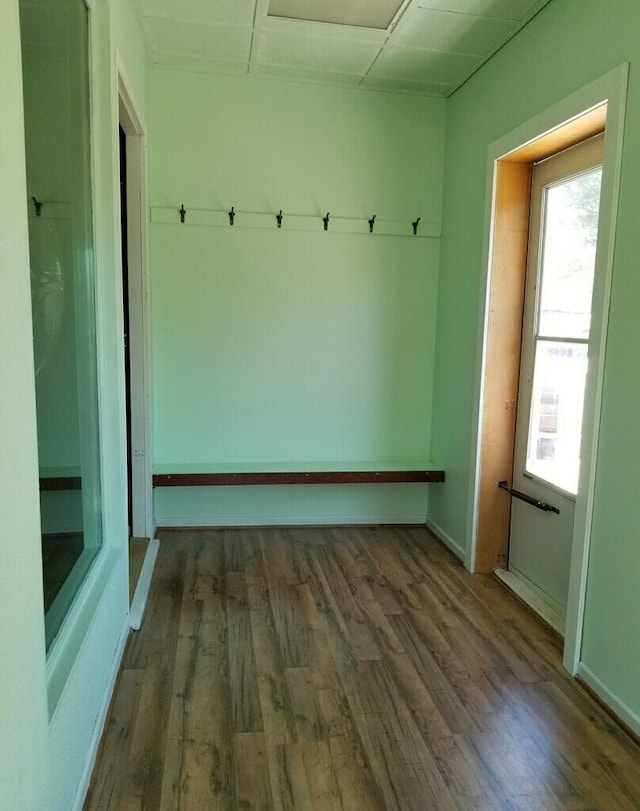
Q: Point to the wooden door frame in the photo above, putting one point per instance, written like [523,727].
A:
[135,130]
[542,135]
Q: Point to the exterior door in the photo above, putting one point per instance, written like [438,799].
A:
[562,245]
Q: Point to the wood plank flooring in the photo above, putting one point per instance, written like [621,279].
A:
[352,669]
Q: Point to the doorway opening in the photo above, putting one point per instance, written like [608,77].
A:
[136,349]
[503,344]
[564,211]
[596,108]
[506,238]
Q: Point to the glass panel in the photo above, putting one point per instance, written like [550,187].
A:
[568,256]
[555,427]
[54,37]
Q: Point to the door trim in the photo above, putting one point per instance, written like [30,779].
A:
[610,89]
[135,130]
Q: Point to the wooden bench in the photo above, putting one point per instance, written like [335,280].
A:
[217,479]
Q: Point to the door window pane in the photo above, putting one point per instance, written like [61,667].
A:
[557,400]
[568,256]
[54,39]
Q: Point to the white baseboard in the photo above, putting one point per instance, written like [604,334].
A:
[624,713]
[142,587]
[446,539]
[287,520]
[94,745]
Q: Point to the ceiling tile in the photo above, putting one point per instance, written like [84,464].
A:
[435,46]
[413,64]
[502,9]
[453,32]
[191,39]
[364,13]
[341,33]
[211,12]
[335,55]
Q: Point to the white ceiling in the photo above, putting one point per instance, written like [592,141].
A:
[363,13]
[430,47]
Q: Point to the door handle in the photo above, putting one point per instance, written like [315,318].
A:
[541,505]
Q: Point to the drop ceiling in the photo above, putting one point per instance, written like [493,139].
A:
[428,47]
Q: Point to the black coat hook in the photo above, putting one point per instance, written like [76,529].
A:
[325,220]
[372,222]
[37,205]
[232,216]
[415,226]
[183,212]
[279,219]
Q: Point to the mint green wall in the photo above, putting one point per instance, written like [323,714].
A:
[131,54]
[275,346]
[567,45]
[281,346]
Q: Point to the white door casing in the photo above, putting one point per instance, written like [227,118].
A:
[139,330]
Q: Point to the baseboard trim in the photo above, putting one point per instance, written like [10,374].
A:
[96,738]
[627,719]
[144,584]
[286,521]
[445,539]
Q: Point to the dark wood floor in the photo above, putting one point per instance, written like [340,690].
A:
[351,669]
